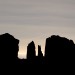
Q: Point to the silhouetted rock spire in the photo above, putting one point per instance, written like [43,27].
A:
[31,51]
[59,49]
[40,55]
[8,47]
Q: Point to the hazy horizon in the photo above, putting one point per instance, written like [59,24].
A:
[36,20]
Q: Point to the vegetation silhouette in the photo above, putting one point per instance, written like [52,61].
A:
[59,51]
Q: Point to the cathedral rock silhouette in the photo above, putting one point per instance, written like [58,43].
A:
[59,51]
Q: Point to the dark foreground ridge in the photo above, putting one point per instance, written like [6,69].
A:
[59,51]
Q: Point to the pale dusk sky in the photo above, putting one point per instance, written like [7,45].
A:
[36,20]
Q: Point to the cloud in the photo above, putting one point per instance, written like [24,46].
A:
[41,12]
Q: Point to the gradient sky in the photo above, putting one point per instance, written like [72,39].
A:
[36,20]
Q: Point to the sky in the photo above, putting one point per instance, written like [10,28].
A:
[37,20]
